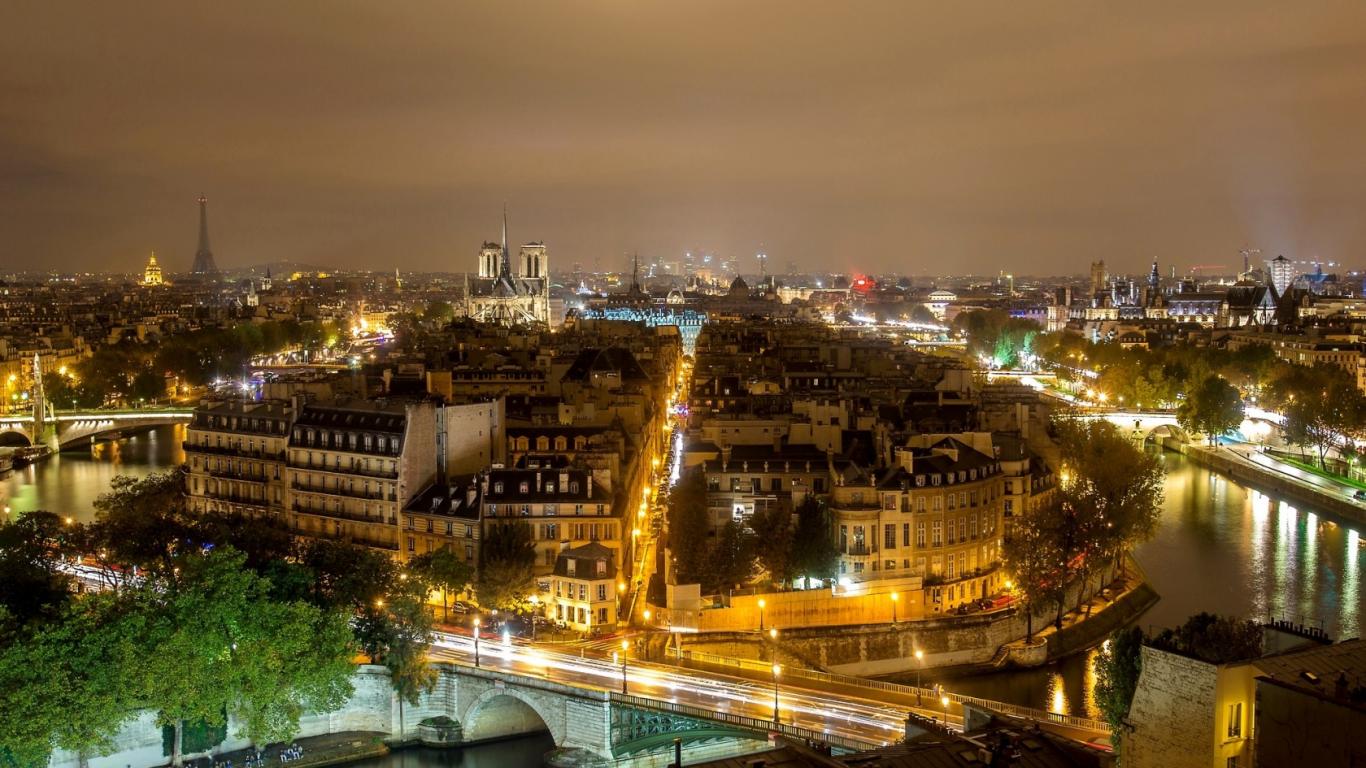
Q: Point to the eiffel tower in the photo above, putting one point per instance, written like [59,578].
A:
[203,258]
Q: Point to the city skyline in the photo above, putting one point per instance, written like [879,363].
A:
[899,140]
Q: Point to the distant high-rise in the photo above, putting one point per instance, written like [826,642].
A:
[203,258]
[1282,273]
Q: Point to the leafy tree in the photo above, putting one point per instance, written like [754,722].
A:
[814,552]
[773,540]
[1214,408]
[438,312]
[143,522]
[33,587]
[731,561]
[507,557]
[689,527]
[1111,494]
[405,651]
[67,684]
[446,571]
[1117,668]
[215,642]
[1215,639]
[147,385]
[1035,562]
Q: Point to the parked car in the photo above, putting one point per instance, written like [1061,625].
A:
[1359,495]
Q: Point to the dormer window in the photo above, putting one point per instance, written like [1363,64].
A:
[602,567]
[573,486]
[524,487]
[498,487]
[549,487]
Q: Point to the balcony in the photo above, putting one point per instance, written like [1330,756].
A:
[235,498]
[353,493]
[857,550]
[243,453]
[334,514]
[382,474]
[226,474]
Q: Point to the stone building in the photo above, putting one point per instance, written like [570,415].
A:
[562,505]
[235,452]
[583,589]
[352,467]
[934,516]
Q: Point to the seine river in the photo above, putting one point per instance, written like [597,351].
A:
[1221,547]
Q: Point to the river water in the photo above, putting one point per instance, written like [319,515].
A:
[1221,547]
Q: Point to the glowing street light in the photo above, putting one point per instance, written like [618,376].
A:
[477,622]
[945,701]
[895,597]
[919,665]
[761,614]
[776,669]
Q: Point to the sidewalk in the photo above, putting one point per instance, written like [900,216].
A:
[318,751]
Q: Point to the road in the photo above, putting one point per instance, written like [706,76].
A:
[864,720]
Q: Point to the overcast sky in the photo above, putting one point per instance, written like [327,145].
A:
[912,137]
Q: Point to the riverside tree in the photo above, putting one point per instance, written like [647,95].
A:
[1214,408]
[688,527]
[444,570]
[1117,669]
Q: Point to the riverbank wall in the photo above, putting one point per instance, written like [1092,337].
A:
[1267,480]
[971,643]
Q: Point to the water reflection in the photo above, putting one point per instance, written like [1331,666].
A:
[68,483]
[1224,548]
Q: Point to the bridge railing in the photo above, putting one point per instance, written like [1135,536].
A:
[745,722]
[818,676]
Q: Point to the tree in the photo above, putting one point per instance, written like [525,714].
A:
[214,642]
[1112,492]
[814,552]
[405,651]
[67,684]
[689,527]
[1214,639]
[446,571]
[1117,668]
[773,539]
[1213,408]
[143,522]
[34,589]
[506,559]
[1034,560]
[731,561]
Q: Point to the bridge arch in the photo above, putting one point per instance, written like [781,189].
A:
[502,712]
[1159,431]
[13,438]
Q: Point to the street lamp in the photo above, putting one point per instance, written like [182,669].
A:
[776,669]
[919,665]
[945,701]
[773,644]
[761,614]
[535,601]
[622,657]
[477,622]
[895,597]
[646,614]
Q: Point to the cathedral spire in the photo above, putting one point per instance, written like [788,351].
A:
[505,269]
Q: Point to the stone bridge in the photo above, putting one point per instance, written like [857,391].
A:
[593,726]
[75,429]
[1141,426]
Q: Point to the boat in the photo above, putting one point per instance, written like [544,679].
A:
[25,456]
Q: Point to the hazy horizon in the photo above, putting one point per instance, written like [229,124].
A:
[878,137]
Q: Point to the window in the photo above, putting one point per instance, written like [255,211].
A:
[905,534]
[889,501]
[498,486]
[920,534]
[920,504]
[411,544]
[523,487]
[937,534]
[889,536]
[1235,720]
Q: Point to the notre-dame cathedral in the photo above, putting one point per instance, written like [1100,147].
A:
[500,295]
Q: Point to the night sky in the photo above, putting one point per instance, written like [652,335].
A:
[919,138]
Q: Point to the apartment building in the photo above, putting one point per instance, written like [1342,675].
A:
[935,515]
[235,452]
[562,505]
[352,467]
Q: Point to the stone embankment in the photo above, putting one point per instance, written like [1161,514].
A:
[1268,480]
[958,643]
